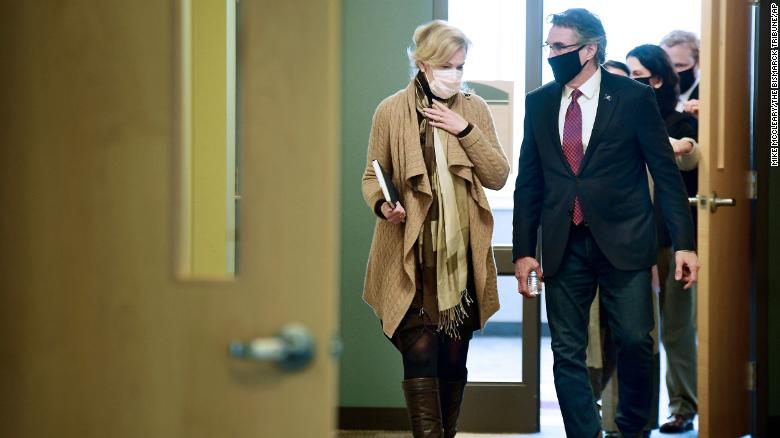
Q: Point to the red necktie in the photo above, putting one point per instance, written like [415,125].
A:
[572,145]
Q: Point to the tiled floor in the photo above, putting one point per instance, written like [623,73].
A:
[550,415]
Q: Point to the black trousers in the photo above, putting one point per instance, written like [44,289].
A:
[627,304]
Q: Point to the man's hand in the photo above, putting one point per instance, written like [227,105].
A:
[523,267]
[692,107]
[686,267]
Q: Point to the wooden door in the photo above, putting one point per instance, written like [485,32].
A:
[98,335]
[724,234]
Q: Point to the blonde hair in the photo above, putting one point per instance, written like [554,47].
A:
[677,37]
[435,43]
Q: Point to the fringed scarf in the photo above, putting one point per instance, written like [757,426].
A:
[447,227]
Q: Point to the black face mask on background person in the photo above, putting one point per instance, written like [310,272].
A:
[686,79]
[645,80]
[565,67]
[664,97]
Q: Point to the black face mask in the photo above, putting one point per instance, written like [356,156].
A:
[645,81]
[662,96]
[686,79]
[565,67]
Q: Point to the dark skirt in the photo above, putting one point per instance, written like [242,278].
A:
[416,321]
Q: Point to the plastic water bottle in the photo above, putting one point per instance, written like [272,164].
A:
[533,283]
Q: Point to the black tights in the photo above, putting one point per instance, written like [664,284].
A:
[436,355]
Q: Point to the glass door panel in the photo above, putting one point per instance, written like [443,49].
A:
[503,387]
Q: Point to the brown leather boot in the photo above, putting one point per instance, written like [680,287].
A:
[451,396]
[422,403]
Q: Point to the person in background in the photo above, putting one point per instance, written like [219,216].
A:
[683,49]
[616,68]
[650,64]
[431,276]
[589,138]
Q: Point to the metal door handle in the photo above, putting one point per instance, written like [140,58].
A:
[292,349]
[716,202]
[713,201]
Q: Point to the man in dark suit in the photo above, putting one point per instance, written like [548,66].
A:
[589,139]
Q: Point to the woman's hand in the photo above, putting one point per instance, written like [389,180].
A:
[394,215]
[444,118]
[681,147]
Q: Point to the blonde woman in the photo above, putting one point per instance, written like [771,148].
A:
[431,276]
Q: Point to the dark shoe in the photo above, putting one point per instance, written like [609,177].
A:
[422,403]
[451,396]
[678,424]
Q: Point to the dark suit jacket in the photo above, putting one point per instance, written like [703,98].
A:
[628,134]
[695,93]
[678,125]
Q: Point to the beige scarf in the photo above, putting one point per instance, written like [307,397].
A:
[450,236]
[449,226]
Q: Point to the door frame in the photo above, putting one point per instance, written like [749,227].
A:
[496,404]
[762,205]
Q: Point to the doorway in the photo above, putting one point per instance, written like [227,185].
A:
[361,388]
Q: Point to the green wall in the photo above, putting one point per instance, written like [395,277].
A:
[374,41]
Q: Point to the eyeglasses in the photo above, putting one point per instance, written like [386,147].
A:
[558,48]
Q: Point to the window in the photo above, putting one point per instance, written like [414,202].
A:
[496,29]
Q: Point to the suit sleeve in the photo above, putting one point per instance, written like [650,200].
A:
[529,193]
[659,156]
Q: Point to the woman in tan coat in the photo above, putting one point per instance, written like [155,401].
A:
[431,276]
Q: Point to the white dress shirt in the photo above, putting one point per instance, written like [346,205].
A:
[686,96]
[589,103]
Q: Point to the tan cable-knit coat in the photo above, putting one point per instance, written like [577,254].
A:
[477,158]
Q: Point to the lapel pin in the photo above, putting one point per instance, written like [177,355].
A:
[608,97]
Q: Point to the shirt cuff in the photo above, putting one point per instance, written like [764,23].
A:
[466,130]
[378,209]
[469,136]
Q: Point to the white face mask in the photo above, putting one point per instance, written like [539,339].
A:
[446,82]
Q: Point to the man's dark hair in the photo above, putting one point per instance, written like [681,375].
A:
[618,65]
[587,25]
[657,62]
